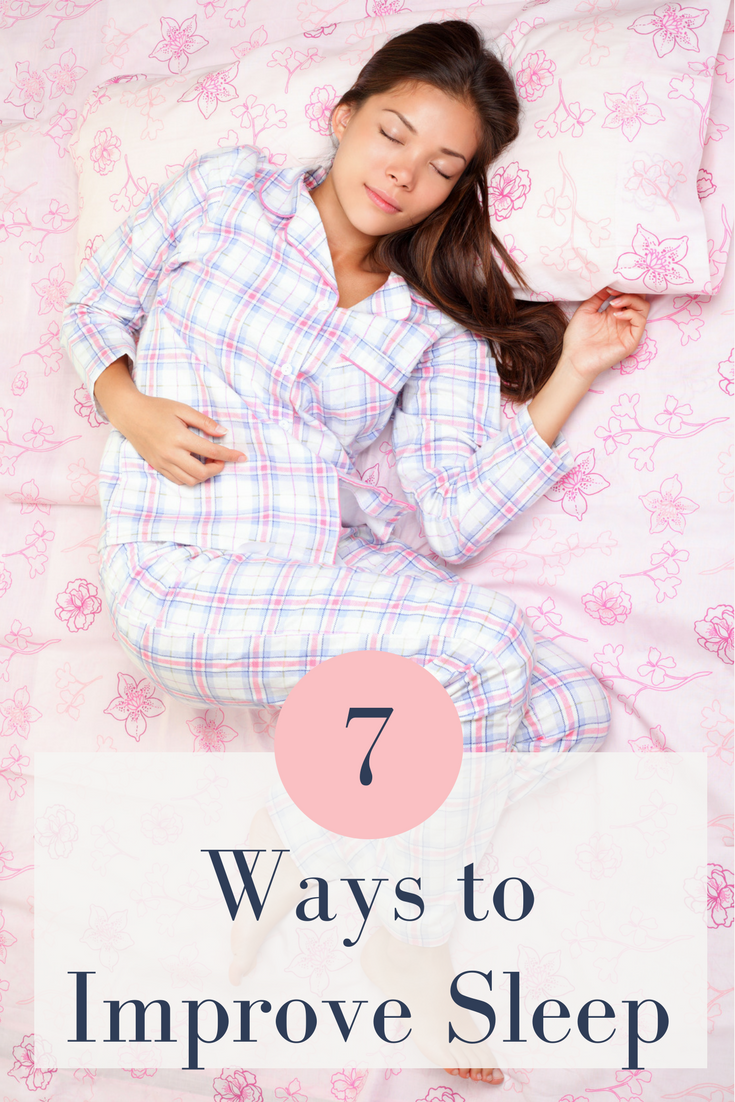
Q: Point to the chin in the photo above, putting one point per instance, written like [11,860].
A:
[372,223]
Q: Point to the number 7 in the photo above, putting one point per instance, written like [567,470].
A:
[366,776]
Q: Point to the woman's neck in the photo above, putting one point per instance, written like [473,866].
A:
[349,247]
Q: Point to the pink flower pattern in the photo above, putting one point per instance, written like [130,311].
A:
[667,507]
[347,1084]
[24,1069]
[318,957]
[726,370]
[213,89]
[291,1092]
[319,108]
[57,831]
[30,90]
[106,934]
[639,360]
[236,1086]
[715,632]
[655,261]
[18,714]
[719,897]
[441,1094]
[135,704]
[105,153]
[608,602]
[210,731]
[671,25]
[508,190]
[178,41]
[534,75]
[573,488]
[19,385]
[64,75]
[629,110]
[78,605]
[705,184]
[6,939]
[52,291]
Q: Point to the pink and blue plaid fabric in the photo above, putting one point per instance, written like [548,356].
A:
[244,627]
[225,275]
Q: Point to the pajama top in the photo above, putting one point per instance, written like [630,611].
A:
[220,288]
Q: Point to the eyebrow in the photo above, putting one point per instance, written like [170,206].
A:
[407,124]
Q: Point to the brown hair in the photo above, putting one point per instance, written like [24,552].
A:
[451,257]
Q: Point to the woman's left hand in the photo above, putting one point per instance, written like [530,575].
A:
[595,341]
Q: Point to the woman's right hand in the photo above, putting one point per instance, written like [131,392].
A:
[158,429]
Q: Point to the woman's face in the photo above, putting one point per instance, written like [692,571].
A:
[399,156]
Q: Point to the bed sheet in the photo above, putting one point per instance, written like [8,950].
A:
[627,561]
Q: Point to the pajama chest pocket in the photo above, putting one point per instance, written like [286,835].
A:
[352,394]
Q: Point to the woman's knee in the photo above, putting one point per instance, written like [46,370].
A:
[568,708]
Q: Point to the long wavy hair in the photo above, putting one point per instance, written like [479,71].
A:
[453,257]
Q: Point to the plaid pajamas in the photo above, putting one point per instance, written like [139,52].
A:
[237,628]
[225,275]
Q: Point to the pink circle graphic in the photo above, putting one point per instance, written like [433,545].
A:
[368,744]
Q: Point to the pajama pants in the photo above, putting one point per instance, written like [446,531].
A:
[239,628]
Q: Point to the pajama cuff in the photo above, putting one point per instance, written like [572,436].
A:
[553,460]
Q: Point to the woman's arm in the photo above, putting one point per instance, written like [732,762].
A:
[157,428]
[117,289]
[593,342]
[468,476]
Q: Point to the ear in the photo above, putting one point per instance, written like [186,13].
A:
[342,115]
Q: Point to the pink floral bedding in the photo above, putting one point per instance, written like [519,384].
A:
[626,561]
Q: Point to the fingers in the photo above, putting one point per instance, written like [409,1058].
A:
[629,304]
[191,472]
[197,444]
[191,416]
[609,299]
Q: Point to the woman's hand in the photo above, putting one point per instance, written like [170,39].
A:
[594,341]
[158,429]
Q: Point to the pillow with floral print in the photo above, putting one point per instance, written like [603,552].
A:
[606,182]
[620,174]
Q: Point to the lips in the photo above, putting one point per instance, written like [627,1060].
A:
[383,201]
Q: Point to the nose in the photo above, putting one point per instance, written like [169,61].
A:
[401,171]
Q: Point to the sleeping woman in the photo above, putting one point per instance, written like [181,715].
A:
[298,312]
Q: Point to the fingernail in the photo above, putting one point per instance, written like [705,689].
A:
[497,1077]
[241,458]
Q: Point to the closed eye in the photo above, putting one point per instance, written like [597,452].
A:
[390,139]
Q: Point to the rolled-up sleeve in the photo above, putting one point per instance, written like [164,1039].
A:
[117,287]
[466,475]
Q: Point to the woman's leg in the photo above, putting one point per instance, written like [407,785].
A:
[238,629]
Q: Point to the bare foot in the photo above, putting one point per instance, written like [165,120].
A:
[249,933]
[422,978]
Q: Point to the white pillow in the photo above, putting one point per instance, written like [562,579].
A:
[601,185]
